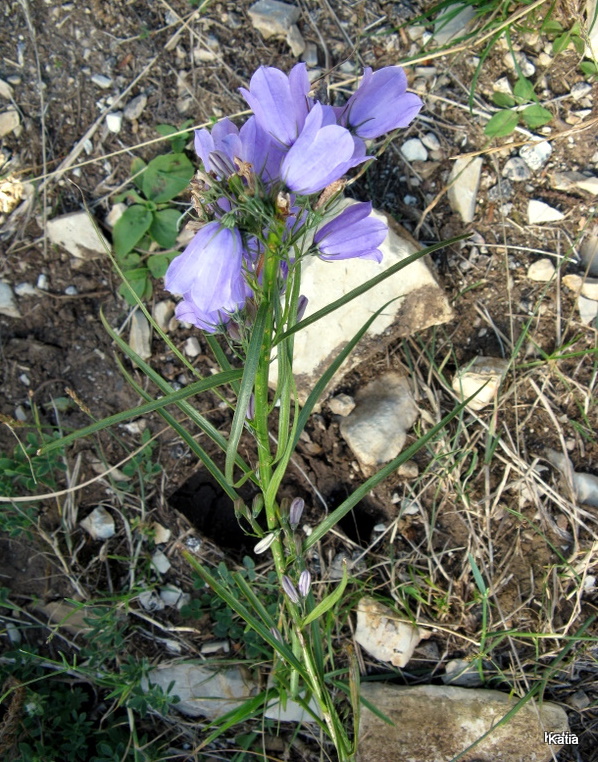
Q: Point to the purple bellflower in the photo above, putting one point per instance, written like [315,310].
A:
[304,583]
[209,275]
[322,153]
[380,104]
[353,233]
[290,589]
[280,103]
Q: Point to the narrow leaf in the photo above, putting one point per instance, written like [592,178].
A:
[329,601]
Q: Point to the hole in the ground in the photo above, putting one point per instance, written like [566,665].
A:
[211,511]
[359,523]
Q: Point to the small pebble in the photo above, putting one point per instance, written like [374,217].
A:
[25,289]
[516,170]
[101,81]
[114,121]
[134,107]
[541,271]
[71,291]
[192,347]
[42,282]
[580,90]
[431,141]
[414,150]
[20,413]
[535,155]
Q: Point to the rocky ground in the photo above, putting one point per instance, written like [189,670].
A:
[511,483]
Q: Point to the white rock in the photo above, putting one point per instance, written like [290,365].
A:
[214,647]
[516,170]
[414,150]
[203,692]
[342,404]
[526,66]
[589,184]
[160,562]
[9,121]
[173,596]
[99,524]
[588,309]
[42,282]
[192,347]
[114,121]
[423,304]
[408,470]
[8,305]
[101,81]
[483,375]
[162,313]
[135,106]
[25,289]
[463,193]
[310,55]
[377,429]
[295,40]
[462,672]
[6,90]
[586,488]
[588,252]
[151,601]
[448,26]
[566,180]
[573,282]
[292,711]
[431,141]
[589,288]
[78,234]
[273,18]
[503,85]
[536,154]
[20,413]
[539,213]
[542,270]
[383,636]
[115,213]
[161,534]
[431,723]
[580,90]
[140,335]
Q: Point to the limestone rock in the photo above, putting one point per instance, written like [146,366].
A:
[99,524]
[588,252]
[377,429]
[162,313]
[536,154]
[202,691]
[538,213]
[77,234]
[414,150]
[452,23]
[484,376]
[8,305]
[462,195]
[516,170]
[273,18]
[135,107]
[588,309]
[435,723]
[342,404]
[383,636]
[9,121]
[140,335]
[423,304]
[541,271]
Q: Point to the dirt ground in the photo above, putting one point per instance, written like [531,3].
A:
[192,69]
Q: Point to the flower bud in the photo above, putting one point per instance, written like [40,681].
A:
[250,412]
[304,583]
[265,543]
[289,589]
[295,512]
[301,307]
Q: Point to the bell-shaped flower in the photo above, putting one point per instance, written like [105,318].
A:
[380,104]
[280,102]
[353,233]
[322,153]
[209,275]
[207,142]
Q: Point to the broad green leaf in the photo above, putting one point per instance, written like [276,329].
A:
[166,176]
[137,281]
[130,229]
[157,264]
[524,90]
[536,115]
[550,26]
[177,142]
[589,68]
[501,124]
[561,42]
[578,44]
[329,601]
[165,227]
[137,168]
[504,100]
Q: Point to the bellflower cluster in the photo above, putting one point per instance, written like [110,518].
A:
[265,174]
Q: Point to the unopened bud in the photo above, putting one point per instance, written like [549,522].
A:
[264,543]
[295,512]
[289,589]
[301,307]
[250,412]
[275,632]
[257,505]
[304,583]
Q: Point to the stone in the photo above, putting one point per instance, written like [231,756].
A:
[465,179]
[431,141]
[585,485]
[452,23]
[25,289]
[66,615]
[173,596]
[501,191]
[162,314]
[588,184]
[79,234]
[573,282]
[295,40]
[516,170]
[568,181]
[423,304]
[161,534]
[100,80]
[381,633]
[273,18]
[115,213]
[527,67]
[414,150]
[9,121]
[589,288]
[503,85]
[8,305]
[436,723]
[203,692]
[342,404]
[588,252]
[42,282]
[292,711]
[483,375]
[542,270]
[377,429]
[580,90]
[539,213]
[192,347]
[160,562]
[99,524]
[6,90]
[151,601]
[114,121]
[140,335]
[135,107]
[310,55]
[536,154]
[462,672]
[408,470]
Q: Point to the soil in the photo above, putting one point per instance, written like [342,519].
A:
[50,52]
